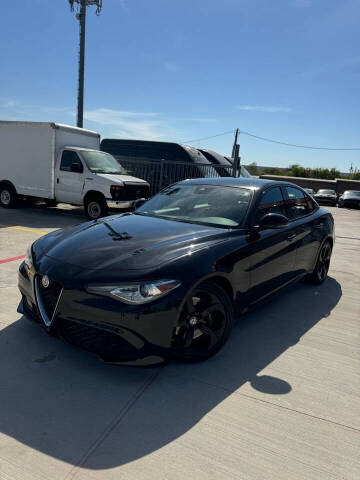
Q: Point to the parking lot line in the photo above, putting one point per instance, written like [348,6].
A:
[26,229]
[12,259]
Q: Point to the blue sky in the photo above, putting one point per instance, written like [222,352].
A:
[182,70]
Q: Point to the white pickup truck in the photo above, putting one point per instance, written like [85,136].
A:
[62,164]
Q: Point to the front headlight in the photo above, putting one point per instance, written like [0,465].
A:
[137,293]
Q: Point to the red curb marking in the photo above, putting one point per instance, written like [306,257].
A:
[20,257]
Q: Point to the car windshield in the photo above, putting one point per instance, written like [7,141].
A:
[353,193]
[101,162]
[327,192]
[214,205]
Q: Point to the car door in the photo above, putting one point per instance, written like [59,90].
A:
[309,228]
[271,259]
[69,178]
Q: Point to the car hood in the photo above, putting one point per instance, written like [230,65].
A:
[116,178]
[128,242]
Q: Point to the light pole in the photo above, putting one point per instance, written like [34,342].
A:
[81,16]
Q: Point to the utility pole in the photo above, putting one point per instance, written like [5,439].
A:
[235,143]
[81,16]
[235,154]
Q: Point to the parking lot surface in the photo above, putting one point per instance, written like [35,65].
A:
[280,401]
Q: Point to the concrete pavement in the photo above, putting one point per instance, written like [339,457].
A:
[280,401]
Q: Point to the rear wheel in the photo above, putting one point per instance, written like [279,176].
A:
[8,196]
[205,323]
[95,207]
[322,265]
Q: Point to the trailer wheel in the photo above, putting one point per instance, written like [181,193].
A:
[8,196]
[95,207]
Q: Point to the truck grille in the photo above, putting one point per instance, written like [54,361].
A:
[133,191]
[109,346]
[47,298]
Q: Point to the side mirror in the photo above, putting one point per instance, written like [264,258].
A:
[138,202]
[76,167]
[273,220]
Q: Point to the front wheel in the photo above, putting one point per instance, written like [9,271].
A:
[95,207]
[322,265]
[205,323]
[8,196]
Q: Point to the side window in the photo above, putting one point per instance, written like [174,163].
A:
[298,203]
[272,201]
[67,159]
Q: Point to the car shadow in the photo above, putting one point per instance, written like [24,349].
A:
[34,216]
[63,402]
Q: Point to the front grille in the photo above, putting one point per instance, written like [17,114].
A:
[133,192]
[109,346]
[47,298]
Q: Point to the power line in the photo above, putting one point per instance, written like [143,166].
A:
[265,139]
[207,138]
[295,145]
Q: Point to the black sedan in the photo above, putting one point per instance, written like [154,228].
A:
[326,196]
[350,198]
[169,279]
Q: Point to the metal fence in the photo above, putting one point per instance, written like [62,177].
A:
[161,173]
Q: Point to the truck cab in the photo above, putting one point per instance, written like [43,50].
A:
[88,177]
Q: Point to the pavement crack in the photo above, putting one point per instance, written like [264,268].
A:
[113,424]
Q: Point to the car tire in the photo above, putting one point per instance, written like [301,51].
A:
[321,269]
[196,342]
[8,196]
[95,207]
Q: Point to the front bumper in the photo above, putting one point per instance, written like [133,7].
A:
[117,333]
[114,204]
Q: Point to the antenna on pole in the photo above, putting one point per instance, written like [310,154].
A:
[81,16]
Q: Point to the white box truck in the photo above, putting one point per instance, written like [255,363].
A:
[60,163]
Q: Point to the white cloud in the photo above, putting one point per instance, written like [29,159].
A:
[127,124]
[263,108]
[12,109]
[109,122]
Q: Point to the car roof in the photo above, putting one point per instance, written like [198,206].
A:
[253,183]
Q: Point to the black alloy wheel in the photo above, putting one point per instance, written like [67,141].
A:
[8,196]
[205,323]
[322,265]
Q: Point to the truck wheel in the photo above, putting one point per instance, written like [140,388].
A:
[95,207]
[8,196]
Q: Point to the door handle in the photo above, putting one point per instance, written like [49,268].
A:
[292,236]
[57,180]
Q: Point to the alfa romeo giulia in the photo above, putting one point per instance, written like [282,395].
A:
[168,279]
